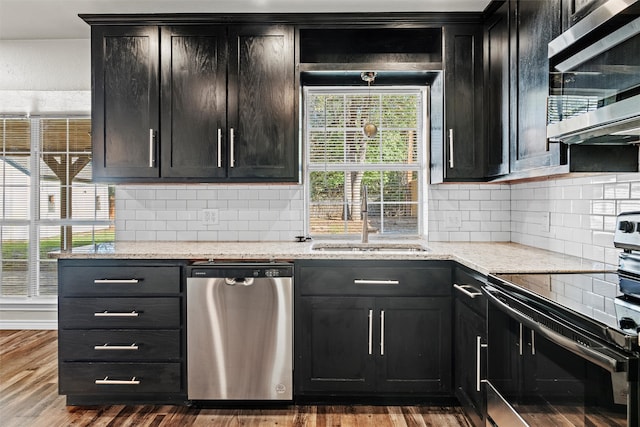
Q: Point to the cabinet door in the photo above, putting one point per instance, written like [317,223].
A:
[335,349]
[414,345]
[125,103]
[193,64]
[261,104]
[463,119]
[496,65]
[550,370]
[469,329]
[534,23]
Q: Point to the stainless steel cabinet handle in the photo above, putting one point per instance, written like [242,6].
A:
[232,140]
[479,346]
[116,314]
[533,343]
[381,332]
[463,289]
[107,381]
[370,332]
[152,148]
[219,147]
[116,281]
[376,282]
[451,148]
[132,347]
[520,351]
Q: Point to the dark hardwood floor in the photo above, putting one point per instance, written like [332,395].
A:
[29,397]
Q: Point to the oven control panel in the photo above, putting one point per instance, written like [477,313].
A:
[627,234]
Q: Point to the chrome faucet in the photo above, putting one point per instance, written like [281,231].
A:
[365,215]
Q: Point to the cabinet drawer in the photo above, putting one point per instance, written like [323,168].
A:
[117,378]
[119,346]
[119,313]
[366,278]
[467,289]
[118,280]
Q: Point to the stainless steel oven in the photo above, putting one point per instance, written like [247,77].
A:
[594,84]
[564,348]
[550,366]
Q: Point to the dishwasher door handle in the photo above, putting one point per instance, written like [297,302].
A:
[375,282]
[243,281]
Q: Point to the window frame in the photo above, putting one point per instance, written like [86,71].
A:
[420,167]
[34,222]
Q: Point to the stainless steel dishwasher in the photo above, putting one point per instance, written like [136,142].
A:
[240,332]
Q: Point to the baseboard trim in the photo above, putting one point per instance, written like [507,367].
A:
[28,324]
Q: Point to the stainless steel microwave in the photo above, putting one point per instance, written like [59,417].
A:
[594,79]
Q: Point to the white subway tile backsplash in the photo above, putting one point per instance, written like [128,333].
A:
[166,194]
[174,212]
[146,235]
[628,205]
[166,235]
[603,207]
[616,191]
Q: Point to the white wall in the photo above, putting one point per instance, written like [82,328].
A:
[42,77]
[45,76]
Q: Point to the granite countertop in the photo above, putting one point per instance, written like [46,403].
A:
[484,257]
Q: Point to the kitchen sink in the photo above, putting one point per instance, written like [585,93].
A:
[368,247]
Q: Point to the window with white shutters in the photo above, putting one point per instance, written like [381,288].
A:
[341,159]
[48,201]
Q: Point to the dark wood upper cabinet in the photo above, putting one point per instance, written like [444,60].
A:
[457,135]
[224,111]
[194,75]
[534,23]
[261,104]
[125,101]
[496,86]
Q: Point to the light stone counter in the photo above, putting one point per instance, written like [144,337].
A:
[482,257]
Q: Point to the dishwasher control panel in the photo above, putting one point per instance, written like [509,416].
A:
[242,270]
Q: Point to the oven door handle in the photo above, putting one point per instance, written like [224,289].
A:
[612,362]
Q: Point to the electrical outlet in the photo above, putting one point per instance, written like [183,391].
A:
[210,216]
[545,222]
[453,220]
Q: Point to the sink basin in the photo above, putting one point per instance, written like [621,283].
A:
[368,247]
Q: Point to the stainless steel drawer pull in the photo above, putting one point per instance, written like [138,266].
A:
[520,341]
[133,347]
[116,314]
[152,148]
[464,290]
[116,281]
[232,158]
[381,332]
[107,381]
[451,148]
[479,346]
[219,147]
[376,282]
[533,343]
[370,332]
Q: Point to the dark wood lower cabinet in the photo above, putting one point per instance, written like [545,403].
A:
[121,378]
[414,345]
[334,348]
[385,339]
[469,344]
[470,334]
[121,331]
